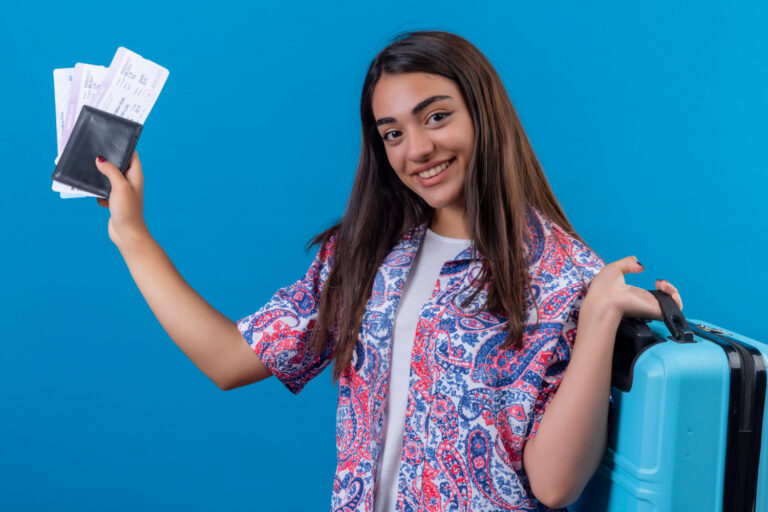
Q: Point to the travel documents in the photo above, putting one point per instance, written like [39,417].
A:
[101,111]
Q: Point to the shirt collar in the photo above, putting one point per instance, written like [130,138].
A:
[414,237]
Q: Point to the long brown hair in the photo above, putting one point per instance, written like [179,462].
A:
[503,179]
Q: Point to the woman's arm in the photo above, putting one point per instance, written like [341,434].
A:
[571,437]
[211,340]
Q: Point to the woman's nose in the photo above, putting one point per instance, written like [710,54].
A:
[420,146]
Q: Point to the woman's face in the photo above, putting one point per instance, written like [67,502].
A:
[428,135]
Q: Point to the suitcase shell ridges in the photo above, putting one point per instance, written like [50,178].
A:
[761,502]
[670,453]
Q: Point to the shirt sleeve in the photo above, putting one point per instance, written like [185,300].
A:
[279,332]
[558,362]
[587,265]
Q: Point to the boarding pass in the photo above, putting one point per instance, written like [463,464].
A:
[128,88]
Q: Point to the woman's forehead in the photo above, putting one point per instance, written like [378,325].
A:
[396,95]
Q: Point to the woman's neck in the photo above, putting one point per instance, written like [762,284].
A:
[450,223]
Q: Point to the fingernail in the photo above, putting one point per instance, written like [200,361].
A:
[639,263]
[100,158]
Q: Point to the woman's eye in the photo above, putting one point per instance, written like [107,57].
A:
[439,116]
[390,135]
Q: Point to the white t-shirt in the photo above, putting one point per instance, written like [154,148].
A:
[435,250]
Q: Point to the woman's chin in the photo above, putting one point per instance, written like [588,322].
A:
[445,204]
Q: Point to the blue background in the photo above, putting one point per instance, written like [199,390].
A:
[649,120]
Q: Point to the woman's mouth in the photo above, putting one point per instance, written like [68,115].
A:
[435,170]
[436,174]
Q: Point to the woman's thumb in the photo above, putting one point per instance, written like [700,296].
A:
[630,264]
[638,266]
[109,170]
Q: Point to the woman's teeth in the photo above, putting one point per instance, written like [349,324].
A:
[435,170]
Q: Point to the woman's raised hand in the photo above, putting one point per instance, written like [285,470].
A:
[125,203]
[609,292]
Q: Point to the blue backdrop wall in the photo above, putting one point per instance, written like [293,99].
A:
[649,121]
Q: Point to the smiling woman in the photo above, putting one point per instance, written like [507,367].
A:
[447,298]
[429,139]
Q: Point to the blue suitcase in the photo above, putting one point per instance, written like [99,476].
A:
[689,426]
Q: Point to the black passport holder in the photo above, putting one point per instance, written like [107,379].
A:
[96,133]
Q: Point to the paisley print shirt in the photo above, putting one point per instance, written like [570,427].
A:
[471,405]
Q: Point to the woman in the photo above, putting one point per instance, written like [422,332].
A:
[446,297]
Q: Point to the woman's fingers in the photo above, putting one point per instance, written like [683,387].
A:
[116,178]
[111,171]
[666,287]
[628,265]
[645,305]
[609,290]
[102,202]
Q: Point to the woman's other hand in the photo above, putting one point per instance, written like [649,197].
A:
[609,293]
[125,203]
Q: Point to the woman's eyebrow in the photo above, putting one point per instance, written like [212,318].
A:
[418,108]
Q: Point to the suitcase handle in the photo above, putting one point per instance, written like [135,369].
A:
[634,336]
[678,327]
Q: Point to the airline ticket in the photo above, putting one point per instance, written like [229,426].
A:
[128,88]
